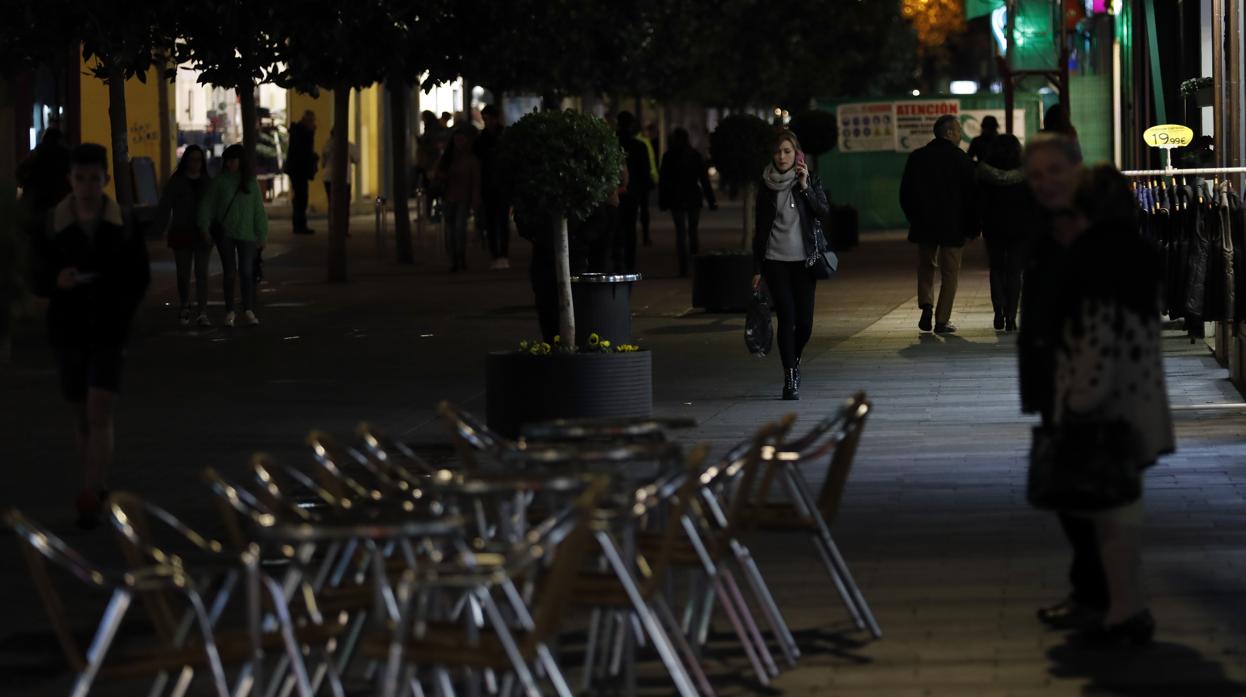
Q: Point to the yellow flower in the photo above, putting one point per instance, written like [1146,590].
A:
[535,350]
[558,339]
[594,340]
[605,344]
[545,348]
[523,346]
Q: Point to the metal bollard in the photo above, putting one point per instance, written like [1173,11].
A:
[380,225]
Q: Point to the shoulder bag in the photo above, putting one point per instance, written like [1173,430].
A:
[217,227]
[1084,466]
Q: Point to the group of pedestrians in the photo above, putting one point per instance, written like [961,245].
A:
[198,213]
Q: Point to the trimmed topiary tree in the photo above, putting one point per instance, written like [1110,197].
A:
[561,164]
[740,148]
[818,132]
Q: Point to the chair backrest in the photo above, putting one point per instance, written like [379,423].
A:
[735,478]
[842,456]
[399,460]
[238,509]
[678,503]
[131,518]
[333,462]
[573,536]
[472,436]
[39,546]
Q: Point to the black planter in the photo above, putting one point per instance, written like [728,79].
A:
[722,282]
[603,305]
[521,388]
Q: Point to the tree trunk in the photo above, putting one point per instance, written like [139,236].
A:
[400,157]
[250,122]
[566,306]
[339,206]
[120,132]
[750,202]
[467,99]
[166,117]
[9,257]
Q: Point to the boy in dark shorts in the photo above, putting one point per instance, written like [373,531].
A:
[94,270]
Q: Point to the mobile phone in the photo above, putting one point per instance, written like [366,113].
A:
[800,158]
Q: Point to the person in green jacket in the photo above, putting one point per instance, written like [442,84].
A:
[233,213]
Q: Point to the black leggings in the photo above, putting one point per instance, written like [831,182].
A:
[792,286]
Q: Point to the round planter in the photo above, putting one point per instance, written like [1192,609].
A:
[722,282]
[521,388]
[603,305]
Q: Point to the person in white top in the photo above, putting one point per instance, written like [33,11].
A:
[326,168]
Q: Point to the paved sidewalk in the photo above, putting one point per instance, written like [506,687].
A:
[934,523]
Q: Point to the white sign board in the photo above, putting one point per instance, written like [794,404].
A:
[915,121]
[866,126]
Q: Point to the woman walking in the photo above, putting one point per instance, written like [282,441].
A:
[787,238]
[1105,368]
[192,248]
[458,176]
[1009,223]
[684,181]
[233,213]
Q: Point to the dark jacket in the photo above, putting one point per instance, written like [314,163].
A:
[684,180]
[97,313]
[639,181]
[1006,206]
[937,194]
[179,209]
[980,146]
[1046,274]
[812,206]
[44,177]
[485,148]
[301,160]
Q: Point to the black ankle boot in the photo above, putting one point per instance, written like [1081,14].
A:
[796,375]
[790,390]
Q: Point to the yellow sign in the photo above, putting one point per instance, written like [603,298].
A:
[1168,136]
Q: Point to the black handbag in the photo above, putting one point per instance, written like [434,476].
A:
[758,328]
[1084,466]
[824,263]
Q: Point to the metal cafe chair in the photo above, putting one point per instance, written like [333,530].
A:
[635,467]
[515,646]
[834,438]
[39,547]
[132,517]
[725,497]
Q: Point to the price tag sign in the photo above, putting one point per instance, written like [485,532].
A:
[1168,136]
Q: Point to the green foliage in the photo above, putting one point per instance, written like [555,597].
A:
[126,37]
[560,161]
[231,43]
[817,130]
[741,147]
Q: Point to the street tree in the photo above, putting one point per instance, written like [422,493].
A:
[818,132]
[740,149]
[125,39]
[232,44]
[330,44]
[560,165]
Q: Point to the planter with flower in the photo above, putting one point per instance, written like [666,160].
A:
[563,165]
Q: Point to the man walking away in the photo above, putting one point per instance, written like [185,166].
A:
[301,167]
[937,195]
[495,211]
[981,144]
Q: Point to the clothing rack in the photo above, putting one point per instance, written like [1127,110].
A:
[1176,171]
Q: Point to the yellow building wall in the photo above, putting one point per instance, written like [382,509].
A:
[322,106]
[365,119]
[142,115]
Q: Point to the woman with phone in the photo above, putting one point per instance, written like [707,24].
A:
[786,245]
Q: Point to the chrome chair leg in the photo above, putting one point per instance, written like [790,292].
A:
[661,642]
[117,606]
[731,596]
[590,647]
[770,608]
[681,642]
[746,640]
